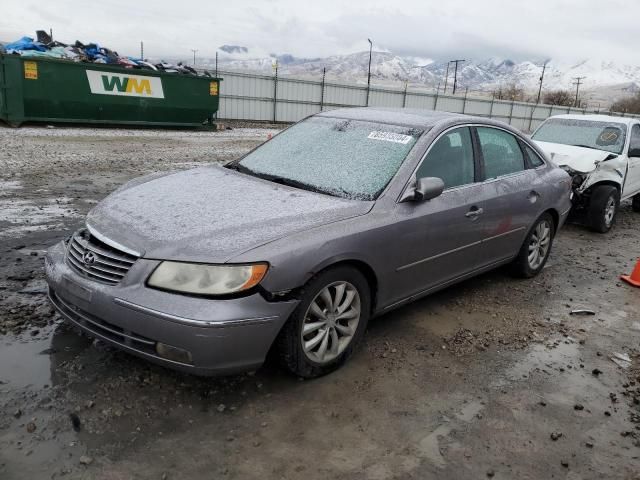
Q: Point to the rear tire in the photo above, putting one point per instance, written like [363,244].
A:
[603,208]
[536,248]
[635,203]
[334,311]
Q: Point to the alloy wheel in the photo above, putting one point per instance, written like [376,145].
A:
[539,244]
[610,211]
[330,322]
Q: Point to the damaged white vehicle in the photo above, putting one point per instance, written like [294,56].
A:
[602,155]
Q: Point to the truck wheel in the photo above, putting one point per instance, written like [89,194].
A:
[635,203]
[603,208]
[535,249]
[328,324]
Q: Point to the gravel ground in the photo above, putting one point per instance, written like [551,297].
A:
[491,378]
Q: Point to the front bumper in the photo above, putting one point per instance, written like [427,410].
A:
[221,336]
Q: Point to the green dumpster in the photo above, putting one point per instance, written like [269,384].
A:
[50,90]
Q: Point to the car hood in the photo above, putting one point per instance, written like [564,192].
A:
[211,214]
[580,159]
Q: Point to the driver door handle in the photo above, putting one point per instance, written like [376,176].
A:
[475,212]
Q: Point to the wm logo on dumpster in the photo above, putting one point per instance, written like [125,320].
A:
[107,83]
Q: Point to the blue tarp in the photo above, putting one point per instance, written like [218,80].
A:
[25,43]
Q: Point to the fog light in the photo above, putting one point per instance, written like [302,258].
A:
[173,353]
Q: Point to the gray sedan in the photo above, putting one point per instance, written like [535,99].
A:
[342,216]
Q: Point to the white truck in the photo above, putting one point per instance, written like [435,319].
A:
[602,155]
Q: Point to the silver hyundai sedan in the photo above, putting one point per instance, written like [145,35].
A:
[295,246]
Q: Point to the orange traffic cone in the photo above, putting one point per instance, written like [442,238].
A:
[634,278]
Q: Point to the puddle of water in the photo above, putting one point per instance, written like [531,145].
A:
[469,411]
[27,362]
[542,358]
[429,445]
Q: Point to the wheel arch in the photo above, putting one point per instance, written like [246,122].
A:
[602,183]
[556,218]
[359,264]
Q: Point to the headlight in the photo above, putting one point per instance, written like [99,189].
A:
[207,279]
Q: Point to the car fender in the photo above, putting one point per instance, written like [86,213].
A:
[345,257]
[610,172]
[295,259]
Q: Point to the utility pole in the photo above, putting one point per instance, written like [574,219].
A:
[324,74]
[404,97]
[369,73]
[194,56]
[141,50]
[216,64]
[51,33]
[455,74]
[275,90]
[578,81]
[544,67]
[446,78]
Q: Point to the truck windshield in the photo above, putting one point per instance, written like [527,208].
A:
[607,136]
[345,158]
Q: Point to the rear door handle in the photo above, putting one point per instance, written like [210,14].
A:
[474,213]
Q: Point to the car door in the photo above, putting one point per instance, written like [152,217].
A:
[514,190]
[440,238]
[632,182]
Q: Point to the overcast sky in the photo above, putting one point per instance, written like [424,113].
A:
[535,29]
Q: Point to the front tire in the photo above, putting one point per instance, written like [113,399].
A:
[635,203]
[603,208]
[536,248]
[328,324]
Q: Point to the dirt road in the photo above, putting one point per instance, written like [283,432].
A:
[493,378]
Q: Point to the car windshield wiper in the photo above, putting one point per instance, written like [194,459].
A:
[584,146]
[282,180]
[296,184]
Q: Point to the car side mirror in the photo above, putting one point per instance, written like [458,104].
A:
[428,188]
[634,152]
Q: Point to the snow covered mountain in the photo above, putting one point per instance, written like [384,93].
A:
[478,75]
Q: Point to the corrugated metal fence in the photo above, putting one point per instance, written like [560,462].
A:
[245,96]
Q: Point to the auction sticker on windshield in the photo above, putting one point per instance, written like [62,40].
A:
[390,137]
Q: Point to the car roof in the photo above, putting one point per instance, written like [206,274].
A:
[598,118]
[410,117]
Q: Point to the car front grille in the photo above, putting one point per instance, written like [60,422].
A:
[97,260]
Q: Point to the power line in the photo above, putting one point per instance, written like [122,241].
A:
[455,74]
[578,81]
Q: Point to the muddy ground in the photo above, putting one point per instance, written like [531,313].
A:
[493,378]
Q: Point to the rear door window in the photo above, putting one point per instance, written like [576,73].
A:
[451,159]
[501,152]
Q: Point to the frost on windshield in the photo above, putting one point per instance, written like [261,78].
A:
[608,136]
[347,158]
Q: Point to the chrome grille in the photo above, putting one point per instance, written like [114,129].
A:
[96,260]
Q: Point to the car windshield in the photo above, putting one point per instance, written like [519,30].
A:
[608,136]
[345,158]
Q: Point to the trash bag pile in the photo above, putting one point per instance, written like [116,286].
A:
[45,46]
